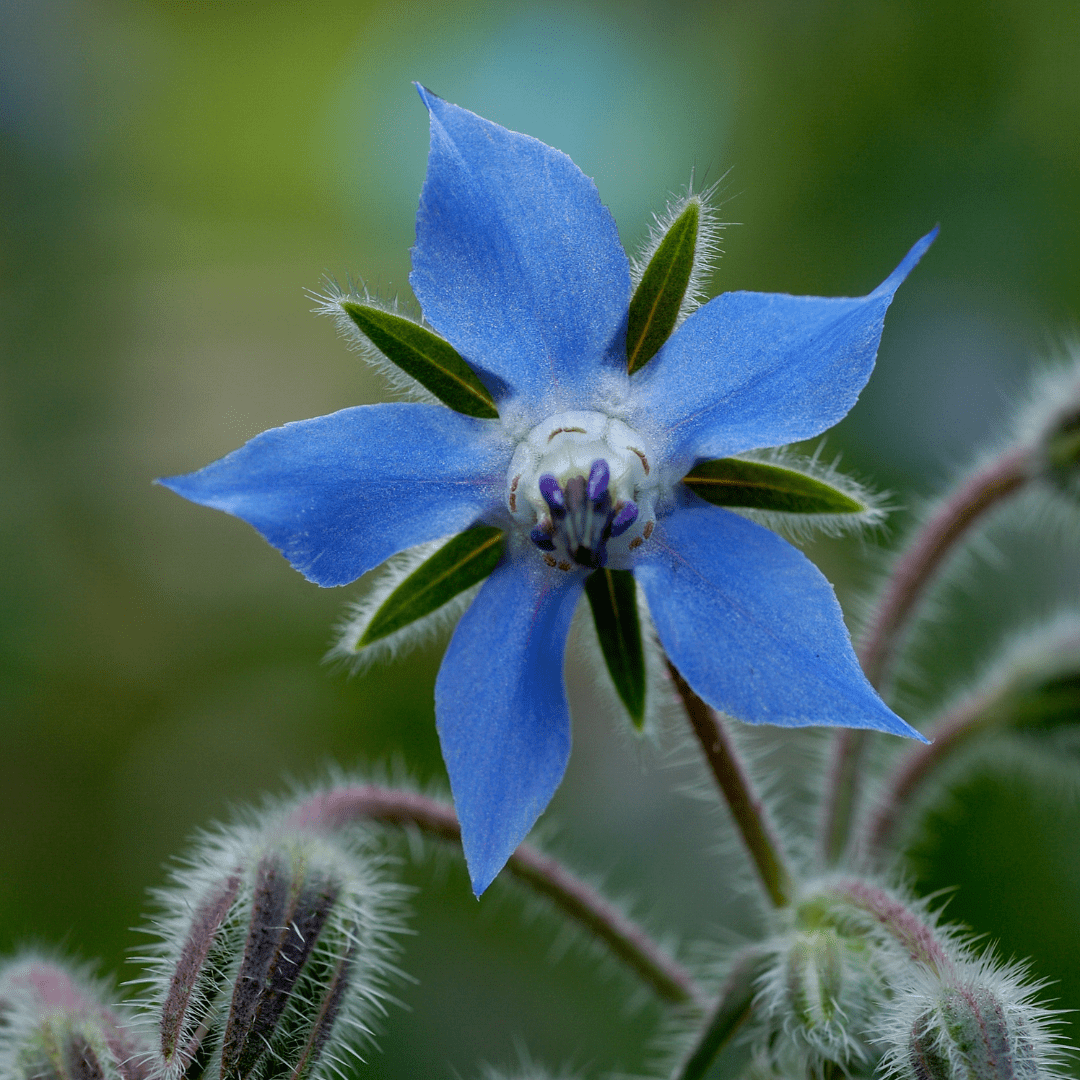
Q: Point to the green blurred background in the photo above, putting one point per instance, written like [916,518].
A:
[173,176]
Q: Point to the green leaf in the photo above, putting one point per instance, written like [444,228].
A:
[613,597]
[455,567]
[432,362]
[654,309]
[758,486]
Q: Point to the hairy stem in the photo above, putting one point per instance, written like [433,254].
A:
[912,933]
[731,1011]
[343,806]
[946,734]
[746,806]
[997,481]
[841,792]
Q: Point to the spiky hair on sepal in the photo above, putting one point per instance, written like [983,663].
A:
[56,1023]
[348,650]
[272,951]
[329,303]
[707,250]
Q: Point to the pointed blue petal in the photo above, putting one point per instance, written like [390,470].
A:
[757,369]
[517,262]
[500,707]
[339,494]
[753,626]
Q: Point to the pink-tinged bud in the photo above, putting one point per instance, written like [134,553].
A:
[274,947]
[969,1035]
[927,1058]
[55,1025]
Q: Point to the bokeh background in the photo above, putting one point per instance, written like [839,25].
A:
[173,176]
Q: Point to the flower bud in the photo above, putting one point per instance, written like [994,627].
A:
[969,1036]
[814,977]
[55,1025]
[822,991]
[273,951]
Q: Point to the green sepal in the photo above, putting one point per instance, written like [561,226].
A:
[426,357]
[755,485]
[654,309]
[613,598]
[455,567]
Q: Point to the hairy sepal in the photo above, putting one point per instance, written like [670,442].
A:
[391,576]
[435,375]
[272,950]
[659,698]
[657,301]
[613,599]
[461,563]
[57,1023]
[706,246]
[424,356]
[775,481]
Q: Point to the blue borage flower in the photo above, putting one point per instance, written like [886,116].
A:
[518,266]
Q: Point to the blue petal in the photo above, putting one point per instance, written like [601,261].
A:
[517,262]
[500,706]
[339,494]
[753,626]
[757,369]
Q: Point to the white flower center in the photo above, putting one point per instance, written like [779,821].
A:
[584,487]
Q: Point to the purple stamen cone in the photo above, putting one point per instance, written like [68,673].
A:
[575,493]
[624,517]
[542,538]
[553,496]
[599,476]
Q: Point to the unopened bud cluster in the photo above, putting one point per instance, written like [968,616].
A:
[865,982]
[273,951]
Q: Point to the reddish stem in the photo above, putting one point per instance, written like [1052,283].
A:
[996,482]
[945,735]
[343,806]
[747,807]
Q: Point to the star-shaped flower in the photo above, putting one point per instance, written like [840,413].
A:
[580,404]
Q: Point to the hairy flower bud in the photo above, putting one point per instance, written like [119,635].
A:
[968,1036]
[273,950]
[822,990]
[978,1023]
[55,1025]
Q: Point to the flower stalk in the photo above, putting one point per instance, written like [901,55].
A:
[342,806]
[733,1008]
[913,935]
[949,732]
[1002,478]
[747,807]
[998,481]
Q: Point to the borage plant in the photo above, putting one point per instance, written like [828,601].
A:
[584,424]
